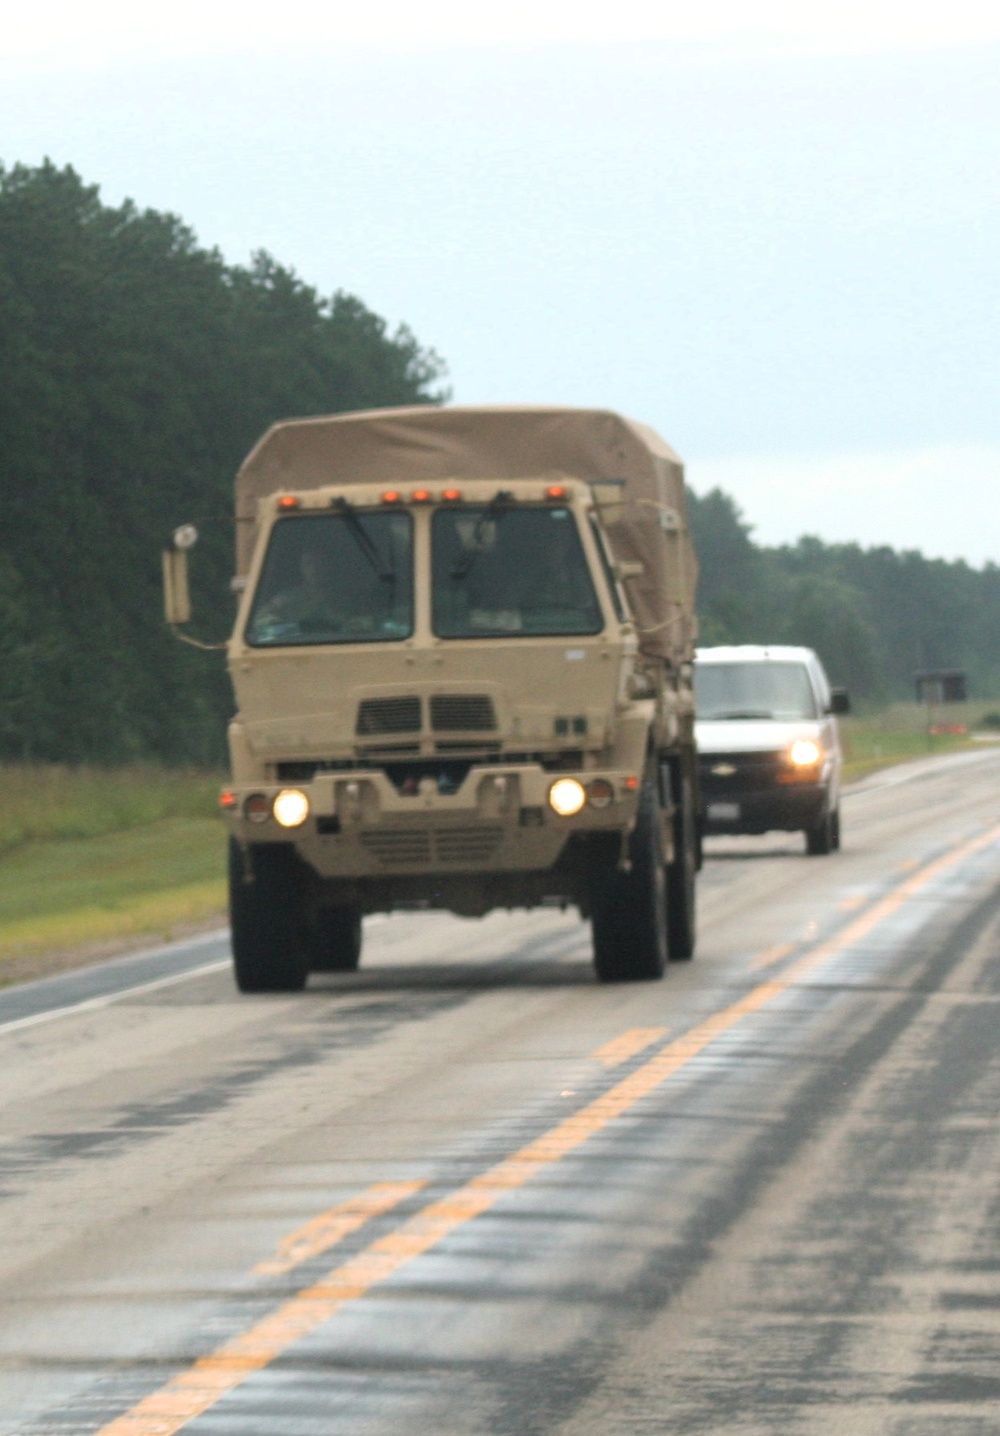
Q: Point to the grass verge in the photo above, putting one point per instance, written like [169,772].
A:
[45,802]
[870,746]
[91,859]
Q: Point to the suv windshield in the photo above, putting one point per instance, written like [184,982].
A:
[753,690]
[335,578]
[503,570]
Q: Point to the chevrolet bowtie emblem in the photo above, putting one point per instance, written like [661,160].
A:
[723,770]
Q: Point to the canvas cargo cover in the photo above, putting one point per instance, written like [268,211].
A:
[427,444]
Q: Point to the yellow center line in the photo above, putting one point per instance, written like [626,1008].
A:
[202,1384]
[888,905]
[771,955]
[620,1049]
[852,903]
[331,1227]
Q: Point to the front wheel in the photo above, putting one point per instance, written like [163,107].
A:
[629,918]
[265,916]
[335,940]
[823,836]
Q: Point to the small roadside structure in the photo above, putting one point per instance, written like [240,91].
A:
[937,687]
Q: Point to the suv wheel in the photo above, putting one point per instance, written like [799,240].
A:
[820,839]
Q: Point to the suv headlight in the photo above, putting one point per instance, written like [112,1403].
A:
[805,753]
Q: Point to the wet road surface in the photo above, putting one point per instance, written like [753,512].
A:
[466,1190]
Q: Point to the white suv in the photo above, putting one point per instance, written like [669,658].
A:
[768,749]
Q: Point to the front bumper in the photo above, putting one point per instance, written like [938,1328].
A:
[751,792]
[360,825]
[789,809]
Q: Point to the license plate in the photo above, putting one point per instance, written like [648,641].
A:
[723,812]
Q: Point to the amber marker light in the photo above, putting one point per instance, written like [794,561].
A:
[421,496]
[289,501]
[256,808]
[805,753]
[291,808]
[452,496]
[227,799]
[567,796]
[631,783]
[555,491]
[391,496]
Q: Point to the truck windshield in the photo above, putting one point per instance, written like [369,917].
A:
[753,690]
[501,571]
[335,578]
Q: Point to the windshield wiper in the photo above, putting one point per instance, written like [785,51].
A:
[364,540]
[499,505]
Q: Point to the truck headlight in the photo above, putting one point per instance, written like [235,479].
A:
[567,796]
[291,808]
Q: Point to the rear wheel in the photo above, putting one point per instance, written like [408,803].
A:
[335,940]
[681,872]
[265,915]
[630,914]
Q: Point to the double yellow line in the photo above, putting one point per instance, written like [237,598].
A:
[208,1379]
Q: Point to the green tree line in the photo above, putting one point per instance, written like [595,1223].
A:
[137,368]
[876,616]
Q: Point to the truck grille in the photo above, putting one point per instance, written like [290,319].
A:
[462,713]
[388,715]
[466,845]
[407,847]
[399,847]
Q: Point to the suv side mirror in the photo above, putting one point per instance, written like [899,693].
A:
[839,701]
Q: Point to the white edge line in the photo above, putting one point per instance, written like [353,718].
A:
[106,999]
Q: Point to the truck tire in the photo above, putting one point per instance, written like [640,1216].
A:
[335,940]
[681,873]
[820,839]
[629,918]
[265,916]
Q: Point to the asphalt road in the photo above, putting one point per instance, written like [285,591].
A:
[467,1190]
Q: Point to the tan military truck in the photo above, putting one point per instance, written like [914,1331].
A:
[462,665]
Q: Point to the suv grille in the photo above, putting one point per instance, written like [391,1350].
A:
[747,772]
[389,715]
[462,713]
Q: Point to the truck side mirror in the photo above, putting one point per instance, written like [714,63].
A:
[628,568]
[839,701]
[176,596]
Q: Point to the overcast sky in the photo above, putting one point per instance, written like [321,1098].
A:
[774,237]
